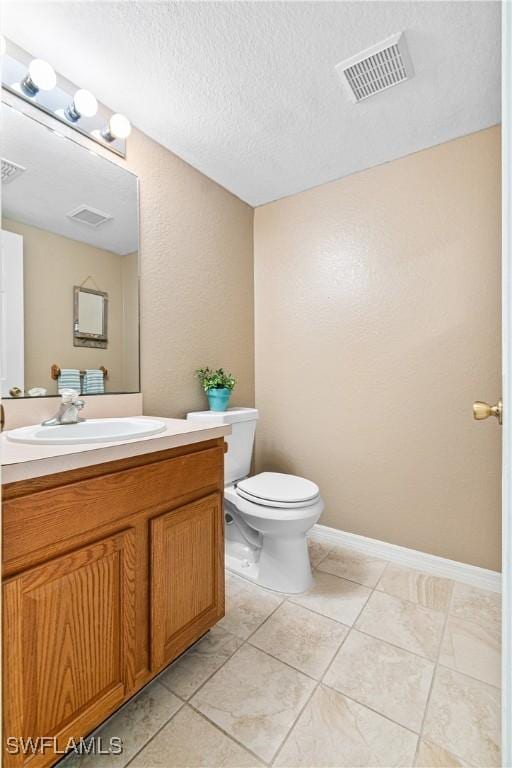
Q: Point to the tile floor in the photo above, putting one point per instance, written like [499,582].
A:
[377,665]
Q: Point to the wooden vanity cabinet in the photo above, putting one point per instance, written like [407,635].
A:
[109,573]
[187,576]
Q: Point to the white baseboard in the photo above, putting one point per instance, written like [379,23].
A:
[411,558]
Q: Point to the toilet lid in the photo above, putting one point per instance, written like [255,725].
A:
[277,488]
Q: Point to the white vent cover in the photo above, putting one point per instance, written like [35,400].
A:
[90,216]
[10,170]
[377,68]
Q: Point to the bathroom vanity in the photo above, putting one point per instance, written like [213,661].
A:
[111,569]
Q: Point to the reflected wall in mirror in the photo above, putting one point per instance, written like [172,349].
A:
[69,263]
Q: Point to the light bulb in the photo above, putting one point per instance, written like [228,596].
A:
[84,104]
[118,128]
[41,77]
[42,74]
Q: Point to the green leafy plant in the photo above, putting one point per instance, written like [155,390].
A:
[211,379]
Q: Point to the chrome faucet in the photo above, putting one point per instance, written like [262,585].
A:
[69,410]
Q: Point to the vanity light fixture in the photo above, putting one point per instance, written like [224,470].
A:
[35,81]
[84,104]
[40,77]
[118,127]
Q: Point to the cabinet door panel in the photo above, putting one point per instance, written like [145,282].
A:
[69,642]
[187,576]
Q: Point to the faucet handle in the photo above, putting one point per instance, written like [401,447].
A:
[79,404]
[69,395]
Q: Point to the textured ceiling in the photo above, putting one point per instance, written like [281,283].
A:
[60,176]
[247,91]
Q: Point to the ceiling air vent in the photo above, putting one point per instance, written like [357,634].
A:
[10,170]
[90,216]
[376,69]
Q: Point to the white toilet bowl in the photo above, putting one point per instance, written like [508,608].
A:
[280,557]
[267,516]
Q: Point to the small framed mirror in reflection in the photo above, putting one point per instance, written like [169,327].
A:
[90,318]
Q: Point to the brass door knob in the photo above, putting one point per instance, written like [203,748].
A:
[484,410]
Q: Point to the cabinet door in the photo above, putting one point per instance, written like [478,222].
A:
[187,576]
[68,644]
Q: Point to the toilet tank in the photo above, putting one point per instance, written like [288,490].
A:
[237,462]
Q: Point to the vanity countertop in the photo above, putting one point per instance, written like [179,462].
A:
[22,461]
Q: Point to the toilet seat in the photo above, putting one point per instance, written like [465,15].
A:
[278,490]
[253,511]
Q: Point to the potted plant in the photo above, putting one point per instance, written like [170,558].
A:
[217,385]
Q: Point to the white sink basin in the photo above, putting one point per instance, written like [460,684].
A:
[90,431]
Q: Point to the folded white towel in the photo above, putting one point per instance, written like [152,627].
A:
[94,382]
[69,379]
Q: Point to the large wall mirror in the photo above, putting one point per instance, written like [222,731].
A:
[69,265]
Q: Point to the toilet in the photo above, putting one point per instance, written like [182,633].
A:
[266,516]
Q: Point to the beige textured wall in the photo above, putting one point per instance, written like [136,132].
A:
[197,298]
[52,266]
[130,321]
[377,325]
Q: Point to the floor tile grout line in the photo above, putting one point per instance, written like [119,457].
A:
[410,602]
[388,563]
[315,565]
[351,698]
[420,572]
[304,608]
[436,667]
[346,578]
[389,594]
[143,746]
[290,666]
[333,658]
[496,632]
[319,682]
[244,642]
[124,707]
[318,613]
[160,676]
[372,709]
[203,716]
[294,723]
[364,703]
[229,735]
[186,700]
[394,645]
[470,677]
[399,564]
[247,642]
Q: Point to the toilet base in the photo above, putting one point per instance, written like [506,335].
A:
[283,565]
[242,567]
